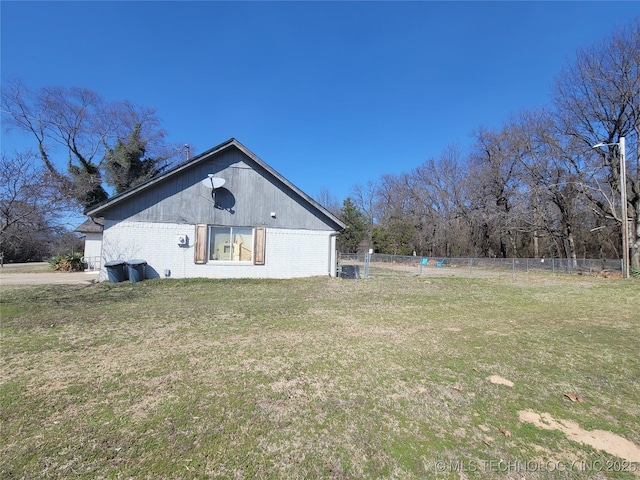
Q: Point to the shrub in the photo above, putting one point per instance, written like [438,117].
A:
[71,262]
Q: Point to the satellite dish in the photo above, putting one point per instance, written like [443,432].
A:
[213,182]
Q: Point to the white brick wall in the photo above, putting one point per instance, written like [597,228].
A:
[93,250]
[288,253]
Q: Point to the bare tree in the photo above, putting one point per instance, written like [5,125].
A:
[597,99]
[554,173]
[436,189]
[31,207]
[328,201]
[494,193]
[77,127]
[365,198]
[535,186]
[421,211]
[395,231]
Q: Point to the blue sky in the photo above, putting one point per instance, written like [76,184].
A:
[330,94]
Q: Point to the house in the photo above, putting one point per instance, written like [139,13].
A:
[221,214]
[91,229]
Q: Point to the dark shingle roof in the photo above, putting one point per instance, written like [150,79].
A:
[232,142]
[91,226]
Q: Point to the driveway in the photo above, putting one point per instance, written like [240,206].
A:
[48,278]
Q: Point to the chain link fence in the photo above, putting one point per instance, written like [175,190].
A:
[382,264]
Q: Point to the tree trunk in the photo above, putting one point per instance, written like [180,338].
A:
[635,243]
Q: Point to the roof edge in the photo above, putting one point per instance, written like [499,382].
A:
[133,190]
[232,142]
[290,185]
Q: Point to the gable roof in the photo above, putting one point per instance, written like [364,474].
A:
[231,143]
[91,225]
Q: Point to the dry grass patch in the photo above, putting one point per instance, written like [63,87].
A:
[314,378]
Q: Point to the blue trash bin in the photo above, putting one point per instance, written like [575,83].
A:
[137,270]
[115,271]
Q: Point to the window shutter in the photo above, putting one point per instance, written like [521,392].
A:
[258,247]
[200,255]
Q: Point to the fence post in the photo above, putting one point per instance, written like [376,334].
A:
[367,260]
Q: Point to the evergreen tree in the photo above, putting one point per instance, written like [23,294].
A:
[125,165]
[356,230]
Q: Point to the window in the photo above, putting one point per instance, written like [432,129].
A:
[231,244]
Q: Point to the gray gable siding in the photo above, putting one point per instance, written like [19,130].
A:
[248,197]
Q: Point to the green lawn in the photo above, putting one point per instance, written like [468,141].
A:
[385,377]
[37,267]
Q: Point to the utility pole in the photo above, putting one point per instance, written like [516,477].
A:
[623,199]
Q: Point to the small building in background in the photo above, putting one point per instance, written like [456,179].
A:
[91,230]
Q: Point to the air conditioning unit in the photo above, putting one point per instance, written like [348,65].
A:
[182,240]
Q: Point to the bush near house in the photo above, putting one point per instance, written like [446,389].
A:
[71,262]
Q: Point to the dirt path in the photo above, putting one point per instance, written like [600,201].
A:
[600,439]
[47,278]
